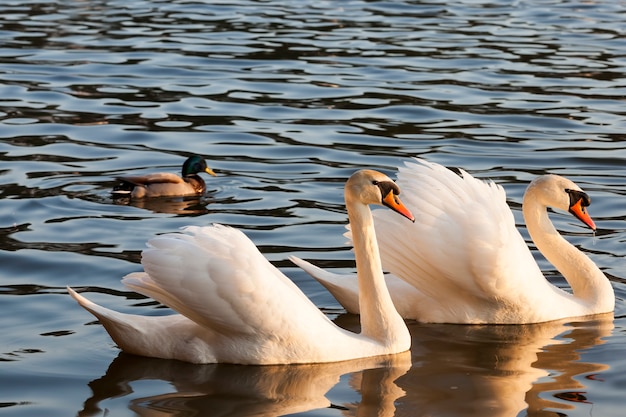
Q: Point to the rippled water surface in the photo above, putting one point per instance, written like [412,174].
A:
[285,99]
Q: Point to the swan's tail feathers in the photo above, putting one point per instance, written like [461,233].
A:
[102,314]
[345,288]
[154,336]
[126,330]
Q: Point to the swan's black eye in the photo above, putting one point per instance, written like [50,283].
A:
[374,182]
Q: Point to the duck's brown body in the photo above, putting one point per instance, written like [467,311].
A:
[166,184]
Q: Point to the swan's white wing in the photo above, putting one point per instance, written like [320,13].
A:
[463,246]
[217,277]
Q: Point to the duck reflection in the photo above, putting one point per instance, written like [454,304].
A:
[457,370]
[236,390]
[168,205]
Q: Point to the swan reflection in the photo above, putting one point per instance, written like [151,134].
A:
[465,370]
[457,370]
[236,390]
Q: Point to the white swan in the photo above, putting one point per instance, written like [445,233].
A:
[464,261]
[235,307]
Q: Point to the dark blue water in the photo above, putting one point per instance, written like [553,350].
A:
[285,100]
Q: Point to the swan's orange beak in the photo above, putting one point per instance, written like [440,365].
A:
[392,201]
[578,209]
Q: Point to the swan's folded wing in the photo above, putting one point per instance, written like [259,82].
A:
[464,242]
[217,277]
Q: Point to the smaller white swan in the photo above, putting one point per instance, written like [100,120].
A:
[236,307]
[464,261]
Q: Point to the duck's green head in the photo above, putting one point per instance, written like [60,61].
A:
[195,164]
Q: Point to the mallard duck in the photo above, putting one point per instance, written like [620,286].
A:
[236,307]
[166,184]
[464,260]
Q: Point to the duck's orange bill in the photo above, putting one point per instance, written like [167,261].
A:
[580,212]
[210,172]
[392,201]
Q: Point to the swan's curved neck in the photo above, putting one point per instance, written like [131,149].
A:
[588,282]
[379,318]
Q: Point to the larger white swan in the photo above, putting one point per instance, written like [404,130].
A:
[464,261]
[235,307]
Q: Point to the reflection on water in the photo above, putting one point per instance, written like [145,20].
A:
[231,390]
[183,206]
[286,100]
[456,371]
[500,370]
[565,386]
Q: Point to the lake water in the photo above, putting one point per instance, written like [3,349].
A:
[285,99]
